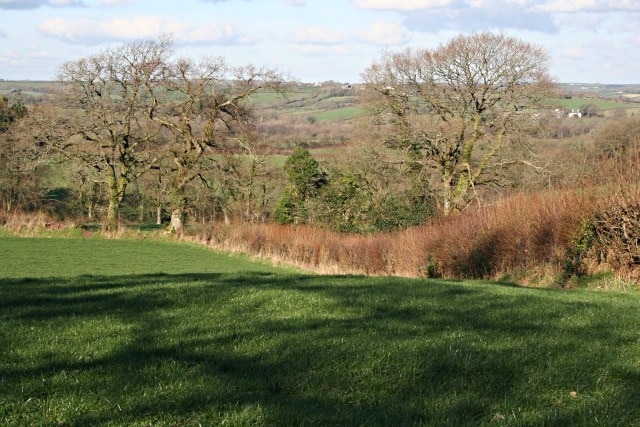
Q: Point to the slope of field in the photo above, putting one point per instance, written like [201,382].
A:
[602,104]
[44,257]
[193,346]
[326,104]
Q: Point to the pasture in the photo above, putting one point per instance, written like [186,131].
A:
[602,104]
[330,104]
[339,114]
[101,332]
[33,89]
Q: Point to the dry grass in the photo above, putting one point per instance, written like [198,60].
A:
[539,239]
[522,235]
[553,237]
[30,224]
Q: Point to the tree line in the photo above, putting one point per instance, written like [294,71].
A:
[134,125]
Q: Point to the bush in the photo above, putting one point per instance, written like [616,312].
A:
[616,233]
[524,235]
[285,211]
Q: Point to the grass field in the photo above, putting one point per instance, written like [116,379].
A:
[576,103]
[339,114]
[98,332]
[76,257]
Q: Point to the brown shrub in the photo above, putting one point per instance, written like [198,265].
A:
[548,237]
[20,223]
[614,236]
[525,232]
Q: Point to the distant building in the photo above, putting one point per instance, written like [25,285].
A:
[561,112]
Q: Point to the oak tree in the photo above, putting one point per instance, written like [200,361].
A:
[459,111]
[19,160]
[112,94]
[209,116]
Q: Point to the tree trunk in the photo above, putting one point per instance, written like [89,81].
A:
[141,212]
[447,194]
[158,215]
[90,206]
[116,189]
[177,214]
[177,223]
[111,223]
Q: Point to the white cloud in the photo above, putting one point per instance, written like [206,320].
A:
[572,6]
[564,6]
[40,54]
[582,21]
[86,31]
[629,23]
[12,54]
[622,4]
[21,4]
[384,34]
[65,3]
[297,3]
[115,3]
[401,4]
[2,33]
[479,15]
[574,52]
[321,50]
[316,34]
[34,4]
[11,58]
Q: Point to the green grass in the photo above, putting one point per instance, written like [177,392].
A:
[27,88]
[277,160]
[331,101]
[576,103]
[267,98]
[51,257]
[339,114]
[174,341]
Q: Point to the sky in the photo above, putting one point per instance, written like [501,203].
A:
[588,41]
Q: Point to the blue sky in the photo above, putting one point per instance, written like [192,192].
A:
[590,41]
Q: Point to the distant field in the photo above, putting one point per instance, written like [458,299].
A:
[336,100]
[167,334]
[576,103]
[34,88]
[278,159]
[339,114]
[322,104]
[263,98]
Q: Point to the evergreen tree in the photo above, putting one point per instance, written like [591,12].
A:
[305,179]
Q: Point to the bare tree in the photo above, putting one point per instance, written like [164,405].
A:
[209,115]
[21,159]
[112,94]
[142,110]
[460,110]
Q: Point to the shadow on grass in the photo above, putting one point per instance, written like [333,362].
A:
[262,348]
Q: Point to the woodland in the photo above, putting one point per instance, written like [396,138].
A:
[466,160]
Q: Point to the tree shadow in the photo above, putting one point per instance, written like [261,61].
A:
[302,349]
